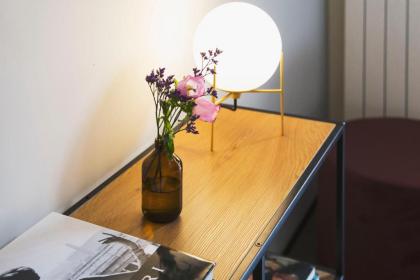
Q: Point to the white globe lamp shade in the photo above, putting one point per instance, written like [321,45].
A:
[250,41]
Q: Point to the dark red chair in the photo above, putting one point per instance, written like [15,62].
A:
[383,201]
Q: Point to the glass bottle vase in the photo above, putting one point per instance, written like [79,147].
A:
[161,185]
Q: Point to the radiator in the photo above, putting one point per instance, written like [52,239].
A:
[382,59]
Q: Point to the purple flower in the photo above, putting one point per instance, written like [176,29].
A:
[191,127]
[151,78]
[192,86]
[211,91]
[189,99]
[205,109]
[161,72]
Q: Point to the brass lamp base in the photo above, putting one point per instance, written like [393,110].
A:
[235,95]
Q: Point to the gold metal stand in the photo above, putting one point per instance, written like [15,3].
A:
[213,99]
[237,94]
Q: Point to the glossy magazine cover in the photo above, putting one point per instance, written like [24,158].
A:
[64,248]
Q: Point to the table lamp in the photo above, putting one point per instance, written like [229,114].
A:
[252,50]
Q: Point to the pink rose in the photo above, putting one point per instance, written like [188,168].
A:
[205,109]
[192,86]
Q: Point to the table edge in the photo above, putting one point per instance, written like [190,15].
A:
[269,232]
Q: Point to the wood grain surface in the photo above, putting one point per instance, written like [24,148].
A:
[230,195]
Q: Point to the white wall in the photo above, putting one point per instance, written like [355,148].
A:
[74,105]
[303,28]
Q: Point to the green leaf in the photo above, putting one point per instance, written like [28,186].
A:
[169,144]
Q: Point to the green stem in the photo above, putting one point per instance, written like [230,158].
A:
[180,130]
[176,118]
[156,110]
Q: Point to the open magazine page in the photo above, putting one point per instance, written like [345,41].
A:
[106,253]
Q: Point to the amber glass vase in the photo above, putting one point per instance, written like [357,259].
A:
[161,185]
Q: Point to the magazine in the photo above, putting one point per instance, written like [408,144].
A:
[64,248]
[278,267]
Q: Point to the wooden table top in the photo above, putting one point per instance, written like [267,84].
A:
[231,196]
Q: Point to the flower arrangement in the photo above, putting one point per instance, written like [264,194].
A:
[183,102]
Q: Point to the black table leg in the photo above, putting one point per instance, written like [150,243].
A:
[258,273]
[340,207]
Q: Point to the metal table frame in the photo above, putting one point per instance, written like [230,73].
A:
[336,138]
